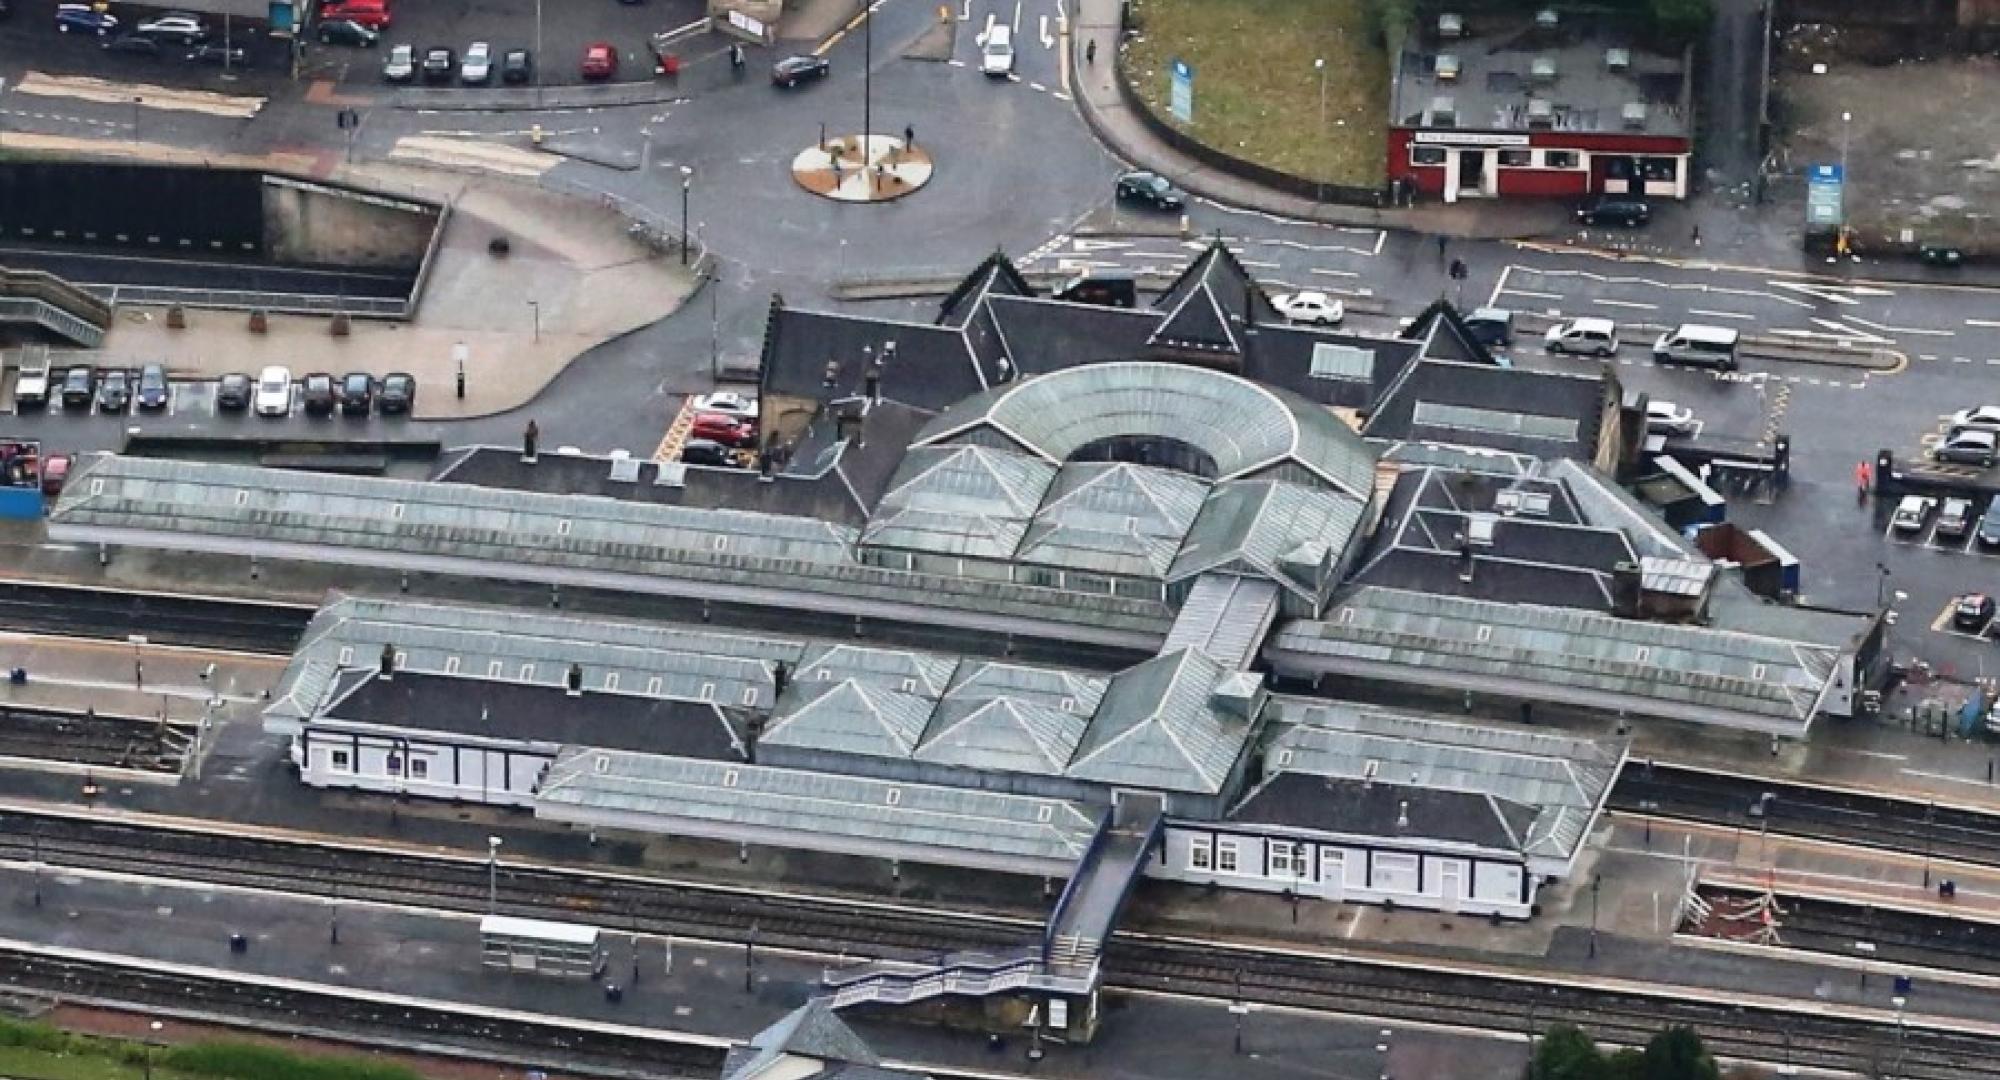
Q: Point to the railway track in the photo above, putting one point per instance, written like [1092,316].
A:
[1905,826]
[1832,927]
[125,742]
[1391,992]
[162,618]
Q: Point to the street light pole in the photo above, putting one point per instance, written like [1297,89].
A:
[536,307]
[1319,65]
[1596,880]
[492,875]
[867,81]
[687,185]
[538,52]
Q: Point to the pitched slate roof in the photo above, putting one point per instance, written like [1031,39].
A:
[1158,728]
[1342,806]
[1113,518]
[1544,413]
[1209,305]
[959,500]
[1263,525]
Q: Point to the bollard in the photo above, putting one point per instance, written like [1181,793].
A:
[535,135]
[239,944]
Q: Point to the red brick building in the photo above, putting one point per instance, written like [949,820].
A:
[1548,106]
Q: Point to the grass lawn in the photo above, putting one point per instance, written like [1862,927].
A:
[24,1063]
[1256,93]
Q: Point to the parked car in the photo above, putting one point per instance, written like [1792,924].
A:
[55,473]
[184,27]
[439,64]
[401,66]
[1598,337]
[78,387]
[1971,446]
[224,55]
[1988,533]
[706,452]
[1310,306]
[373,14]
[727,402]
[232,392]
[398,393]
[274,391]
[996,57]
[153,391]
[1150,188]
[1614,210]
[348,32]
[84,19]
[478,65]
[357,393]
[1912,513]
[1955,517]
[1491,326]
[1668,418]
[133,45]
[793,70]
[600,60]
[1972,611]
[114,391]
[727,430]
[517,66]
[316,393]
[1983,417]
[31,388]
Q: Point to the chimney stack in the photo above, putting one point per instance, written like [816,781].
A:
[388,662]
[575,679]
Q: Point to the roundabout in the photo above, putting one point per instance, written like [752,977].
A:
[862,169]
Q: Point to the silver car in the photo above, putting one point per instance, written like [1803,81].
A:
[478,64]
[401,66]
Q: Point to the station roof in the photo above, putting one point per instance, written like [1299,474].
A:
[817,810]
[1543,788]
[960,500]
[1333,804]
[1113,518]
[1159,727]
[1286,532]
[1547,414]
[810,1043]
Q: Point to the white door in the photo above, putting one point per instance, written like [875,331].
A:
[1451,176]
[1332,873]
[1451,883]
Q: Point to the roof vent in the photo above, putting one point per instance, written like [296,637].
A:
[672,474]
[1547,20]
[1451,25]
[1618,59]
[1541,113]
[1479,529]
[1542,69]
[1524,503]
[1634,114]
[1239,695]
[1447,67]
[1403,814]
[1444,112]
[625,470]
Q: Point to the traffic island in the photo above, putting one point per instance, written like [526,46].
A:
[862,169]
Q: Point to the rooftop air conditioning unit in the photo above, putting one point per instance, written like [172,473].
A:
[1543,69]
[1618,59]
[1547,19]
[1451,25]
[1541,113]
[1444,112]
[1447,67]
[1634,114]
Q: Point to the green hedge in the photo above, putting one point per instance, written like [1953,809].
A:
[252,1061]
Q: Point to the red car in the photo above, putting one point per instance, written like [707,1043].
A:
[373,14]
[600,61]
[722,428]
[55,472]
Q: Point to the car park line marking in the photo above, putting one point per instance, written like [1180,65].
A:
[1961,359]
[980,38]
[1047,41]
[1038,86]
[965,11]
[1013,78]
[1535,295]
[1982,322]
[1927,356]
[1333,273]
[1625,304]
[1017,18]
[1722,314]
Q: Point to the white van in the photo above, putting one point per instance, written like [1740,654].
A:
[996,57]
[1693,343]
[1598,337]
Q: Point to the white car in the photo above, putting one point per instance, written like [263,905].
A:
[274,392]
[1911,513]
[1310,307]
[1596,336]
[185,28]
[1668,418]
[478,64]
[1984,418]
[401,66]
[996,57]
[727,403]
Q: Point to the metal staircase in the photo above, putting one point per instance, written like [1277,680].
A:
[49,317]
[44,300]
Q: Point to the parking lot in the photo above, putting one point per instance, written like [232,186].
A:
[567,28]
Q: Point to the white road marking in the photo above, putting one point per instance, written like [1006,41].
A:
[980,38]
[1927,356]
[472,154]
[1981,322]
[1038,86]
[1060,96]
[956,63]
[1382,235]
[1047,41]
[1535,295]
[1961,359]
[1017,18]
[1333,273]
[105,92]
[1899,329]
[1850,332]
[1086,244]
[1838,294]
[1721,314]
[1258,265]
[1626,304]
[965,11]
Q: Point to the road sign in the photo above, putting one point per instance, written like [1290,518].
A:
[1825,186]
[1181,100]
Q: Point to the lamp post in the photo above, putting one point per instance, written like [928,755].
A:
[155,1027]
[687,186]
[536,70]
[1596,881]
[535,306]
[867,79]
[492,875]
[1846,127]
[1319,65]
[1881,584]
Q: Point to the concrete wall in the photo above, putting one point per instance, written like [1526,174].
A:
[312,224]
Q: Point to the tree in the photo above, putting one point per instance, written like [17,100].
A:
[1566,1053]
[1682,20]
[1678,1054]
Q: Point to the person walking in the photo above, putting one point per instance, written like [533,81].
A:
[1863,475]
[909,137]
[1090,52]
[1441,243]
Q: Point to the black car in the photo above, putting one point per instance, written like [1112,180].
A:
[793,70]
[153,386]
[114,391]
[1972,611]
[77,388]
[357,393]
[398,393]
[705,452]
[440,64]
[1151,189]
[318,394]
[1614,210]
[517,67]
[232,392]
[136,44]
[347,32]
[221,55]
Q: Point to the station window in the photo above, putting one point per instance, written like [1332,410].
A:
[1559,159]
[1485,634]
[419,768]
[1642,654]
[1284,757]
[340,761]
[394,764]
[909,686]
[1226,859]
[1426,155]
[1517,159]
[1282,862]
[1201,854]
[729,777]
[562,527]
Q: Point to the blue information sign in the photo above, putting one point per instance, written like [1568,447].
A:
[1825,206]
[1182,99]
